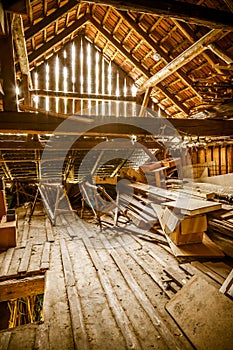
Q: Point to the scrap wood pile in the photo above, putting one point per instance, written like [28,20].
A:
[180,215]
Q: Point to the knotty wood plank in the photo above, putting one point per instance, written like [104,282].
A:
[25,259]
[206,318]
[78,325]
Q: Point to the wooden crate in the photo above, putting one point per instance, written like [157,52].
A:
[180,239]
[193,224]
[8,234]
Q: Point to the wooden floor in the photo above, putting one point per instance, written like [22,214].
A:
[105,291]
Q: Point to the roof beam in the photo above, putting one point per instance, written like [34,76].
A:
[191,13]
[49,19]
[58,38]
[193,51]
[38,123]
[157,48]
[137,64]
[19,40]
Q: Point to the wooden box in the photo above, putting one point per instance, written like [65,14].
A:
[193,224]
[8,234]
[190,238]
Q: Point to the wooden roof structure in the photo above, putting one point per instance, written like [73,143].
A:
[179,54]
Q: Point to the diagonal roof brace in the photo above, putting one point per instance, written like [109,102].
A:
[193,51]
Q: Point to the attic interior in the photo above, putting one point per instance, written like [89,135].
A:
[116,184]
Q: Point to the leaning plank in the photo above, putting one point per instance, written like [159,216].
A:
[4,339]
[205,249]
[44,264]
[25,259]
[79,329]
[118,312]
[206,318]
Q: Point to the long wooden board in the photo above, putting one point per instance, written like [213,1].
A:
[205,249]
[193,206]
[204,314]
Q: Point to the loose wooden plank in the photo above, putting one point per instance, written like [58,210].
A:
[205,249]
[206,318]
[45,259]
[208,271]
[25,259]
[78,325]
[193,206]
[226,287]
[49,230]
[36,253]
[176,275]
[219,267]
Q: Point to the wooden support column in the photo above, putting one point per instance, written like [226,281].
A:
[145,102]
[7,71]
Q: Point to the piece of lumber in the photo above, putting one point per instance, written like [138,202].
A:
[226,287]
[204,315]
[193,206]
[25,259]
[45,259]
[207,248]
[13,289]
[217,278]
[6,262]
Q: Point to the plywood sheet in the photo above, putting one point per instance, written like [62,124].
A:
[205,249]
[204,314]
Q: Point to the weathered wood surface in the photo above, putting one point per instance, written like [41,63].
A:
[207,317]
[102,290]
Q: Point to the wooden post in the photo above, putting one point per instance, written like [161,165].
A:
[7,72]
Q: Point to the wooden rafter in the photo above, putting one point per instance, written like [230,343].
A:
[157,48]
[61,36]
[135,62]
[19,40]
[196,49]
[190,13]
[53,17]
